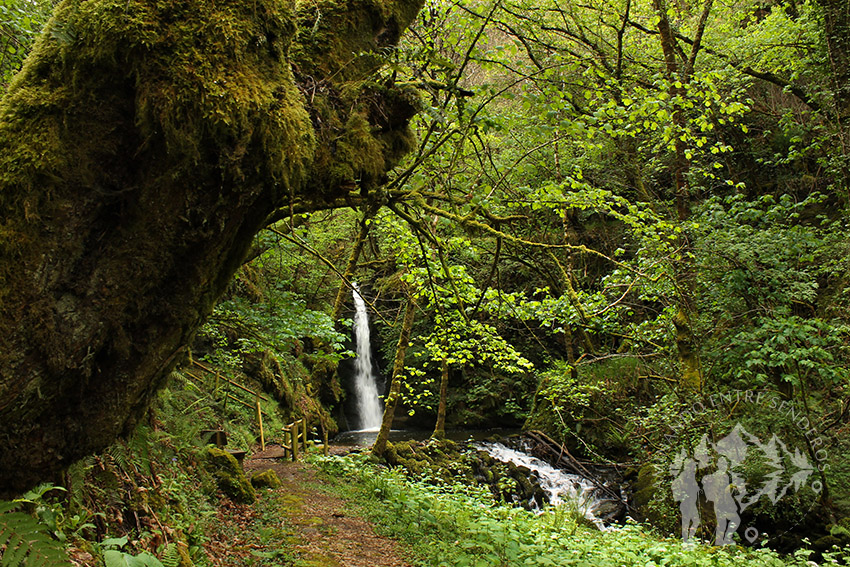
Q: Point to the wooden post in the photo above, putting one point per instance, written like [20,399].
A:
[293,431]
[260,422]
[304,431]
[324,441]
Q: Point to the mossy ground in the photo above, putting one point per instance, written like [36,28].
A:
[322,530]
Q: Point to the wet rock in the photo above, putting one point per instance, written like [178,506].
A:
[609,510]
[645,486]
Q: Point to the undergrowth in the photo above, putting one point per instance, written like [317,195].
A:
[147,500]
[447,525]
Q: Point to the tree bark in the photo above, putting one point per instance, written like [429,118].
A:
[690,366]
[836,14]
[440,426]
[142,146]
[380,445]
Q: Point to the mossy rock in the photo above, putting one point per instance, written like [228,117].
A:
[405,449]
[653,500]
[265,479]
[229,476]
[645,487]
[390,454]
[826,543]
[525,488]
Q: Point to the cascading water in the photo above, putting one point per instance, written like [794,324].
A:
[560,487]
[368,405]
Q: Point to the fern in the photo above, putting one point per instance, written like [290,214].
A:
[170,556]
[25,541]
[120,457]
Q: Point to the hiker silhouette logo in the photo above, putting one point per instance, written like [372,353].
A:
[714,471]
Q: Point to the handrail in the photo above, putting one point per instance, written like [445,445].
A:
[296,429]
[229,381]
[228,396]
[200,380]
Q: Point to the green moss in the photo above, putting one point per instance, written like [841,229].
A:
[361,123]
[229,475]
[438,459]
[265,479]
[142,146]
[209,78]
[362,132]
[371,25]
[153,113]
[645,486]
[266,369]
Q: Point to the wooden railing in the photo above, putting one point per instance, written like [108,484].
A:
[219,377]
[297,434]
[294,434]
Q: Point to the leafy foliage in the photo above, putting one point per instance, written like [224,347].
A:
[267,326]
[114,557]
[572,200]
[20,23]
[458,526]
[25,540]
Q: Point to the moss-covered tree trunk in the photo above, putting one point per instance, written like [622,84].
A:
[836,22]
[395,383]
[142,146]
[440,426]
[687,346]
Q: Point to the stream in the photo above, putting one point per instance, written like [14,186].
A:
[588,497]
[561,488]
[595,499]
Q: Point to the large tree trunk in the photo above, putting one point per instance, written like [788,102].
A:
[142,146]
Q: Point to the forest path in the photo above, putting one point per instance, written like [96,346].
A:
[328,532]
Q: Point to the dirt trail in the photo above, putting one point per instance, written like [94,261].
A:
[330,535]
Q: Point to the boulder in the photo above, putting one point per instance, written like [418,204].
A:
[229,475]
[265,479]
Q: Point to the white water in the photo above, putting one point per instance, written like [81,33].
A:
[560,487]
[369,411]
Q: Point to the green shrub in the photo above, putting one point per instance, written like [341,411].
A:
[451,525]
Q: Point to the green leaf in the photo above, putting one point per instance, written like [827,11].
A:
[115,558]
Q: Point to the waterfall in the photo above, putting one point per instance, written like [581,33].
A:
[369,411]
[560,487]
